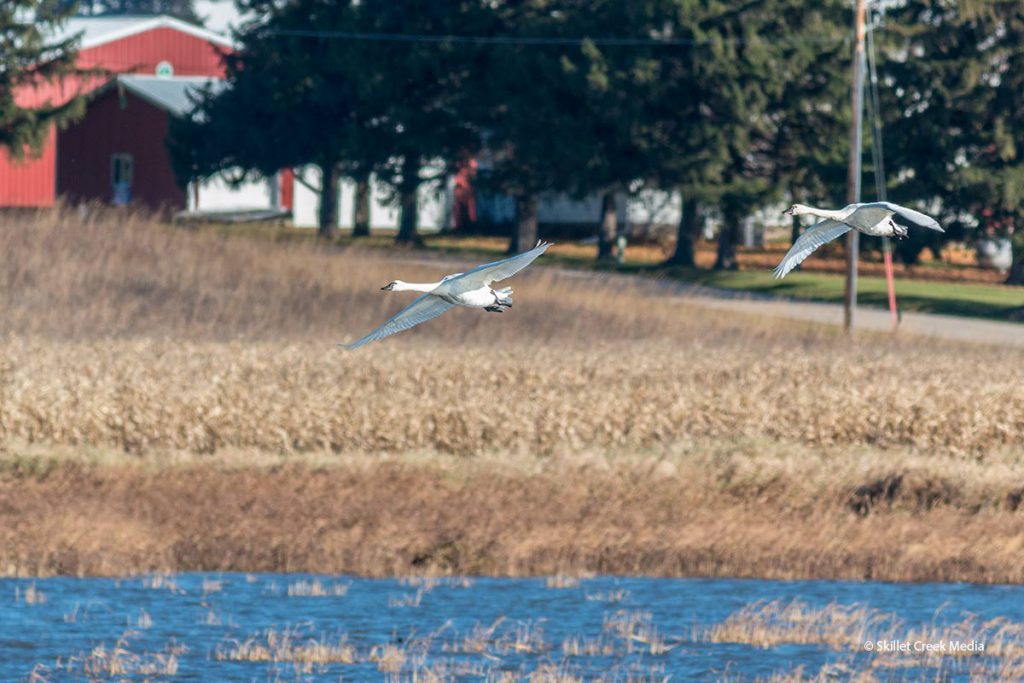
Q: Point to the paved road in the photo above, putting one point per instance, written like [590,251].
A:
[949,327]
[942,326]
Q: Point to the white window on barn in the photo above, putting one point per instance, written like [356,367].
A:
[122,169]
[164,69]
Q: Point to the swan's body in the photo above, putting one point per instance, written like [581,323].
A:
[875,219]
[471,289]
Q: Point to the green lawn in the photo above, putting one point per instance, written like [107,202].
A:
[967,299]
[998,302]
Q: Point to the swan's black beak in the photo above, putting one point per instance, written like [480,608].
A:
[788,212]
[388,287]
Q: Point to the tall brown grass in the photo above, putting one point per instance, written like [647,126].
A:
[749,509]
[170,346]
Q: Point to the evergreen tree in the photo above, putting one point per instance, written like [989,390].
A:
[528,100]
[616,79]
[31,59]
[810,112]
[953,82]
[775,64]
[731,102]
[290,101]
[418,91]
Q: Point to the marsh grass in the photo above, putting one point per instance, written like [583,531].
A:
[162,581]
[939,644]
[30,596]
[611,597]
[292,645]
[637,632]
[562,581]
[770,624]
[747,508]
[317,588]
[630,646]
[118,661]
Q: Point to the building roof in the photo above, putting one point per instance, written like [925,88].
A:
[99,30]
[173,95]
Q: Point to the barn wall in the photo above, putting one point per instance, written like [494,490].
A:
[28,182]
[117,124]
[140,53]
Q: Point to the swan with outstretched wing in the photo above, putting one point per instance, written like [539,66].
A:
[471,289]
[875,218]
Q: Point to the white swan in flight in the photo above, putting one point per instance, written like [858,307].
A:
[874,219]
[471,289]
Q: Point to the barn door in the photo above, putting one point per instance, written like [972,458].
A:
[122,169]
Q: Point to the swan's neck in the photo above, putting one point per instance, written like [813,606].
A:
[821,213]
[414,286]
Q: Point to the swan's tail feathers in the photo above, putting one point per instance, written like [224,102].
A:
[503,296]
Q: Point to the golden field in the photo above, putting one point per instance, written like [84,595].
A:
[175,400]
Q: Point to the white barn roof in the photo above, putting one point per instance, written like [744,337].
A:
[99,30]
[173,95]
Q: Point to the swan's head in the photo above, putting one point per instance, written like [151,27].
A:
[390,287]
[797,210]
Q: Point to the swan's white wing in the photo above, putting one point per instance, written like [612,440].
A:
[484,275]
[419,311]
[815,236]
[915,217]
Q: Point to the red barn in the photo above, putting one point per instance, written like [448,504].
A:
[119,146]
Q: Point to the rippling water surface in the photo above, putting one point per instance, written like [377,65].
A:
[232,627]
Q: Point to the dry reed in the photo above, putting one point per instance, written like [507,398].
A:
[288,645]
[883,645]
[120,662]
[317,588]
[597,410]
[770,624]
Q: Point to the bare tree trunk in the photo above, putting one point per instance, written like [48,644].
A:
[727,239]
[794,234]
[686,236]
[525,234]
[328,213]
[1016,274]
[608,229]
[361,212]
[409,199]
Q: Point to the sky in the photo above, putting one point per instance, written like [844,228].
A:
[220,14]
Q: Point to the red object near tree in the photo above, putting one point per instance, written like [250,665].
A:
[464,197]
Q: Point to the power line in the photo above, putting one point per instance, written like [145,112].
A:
[541,41]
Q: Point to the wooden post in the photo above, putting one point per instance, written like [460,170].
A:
[853,178]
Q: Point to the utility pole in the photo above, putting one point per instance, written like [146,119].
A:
[853,178]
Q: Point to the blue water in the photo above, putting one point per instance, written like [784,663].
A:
[196,616]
